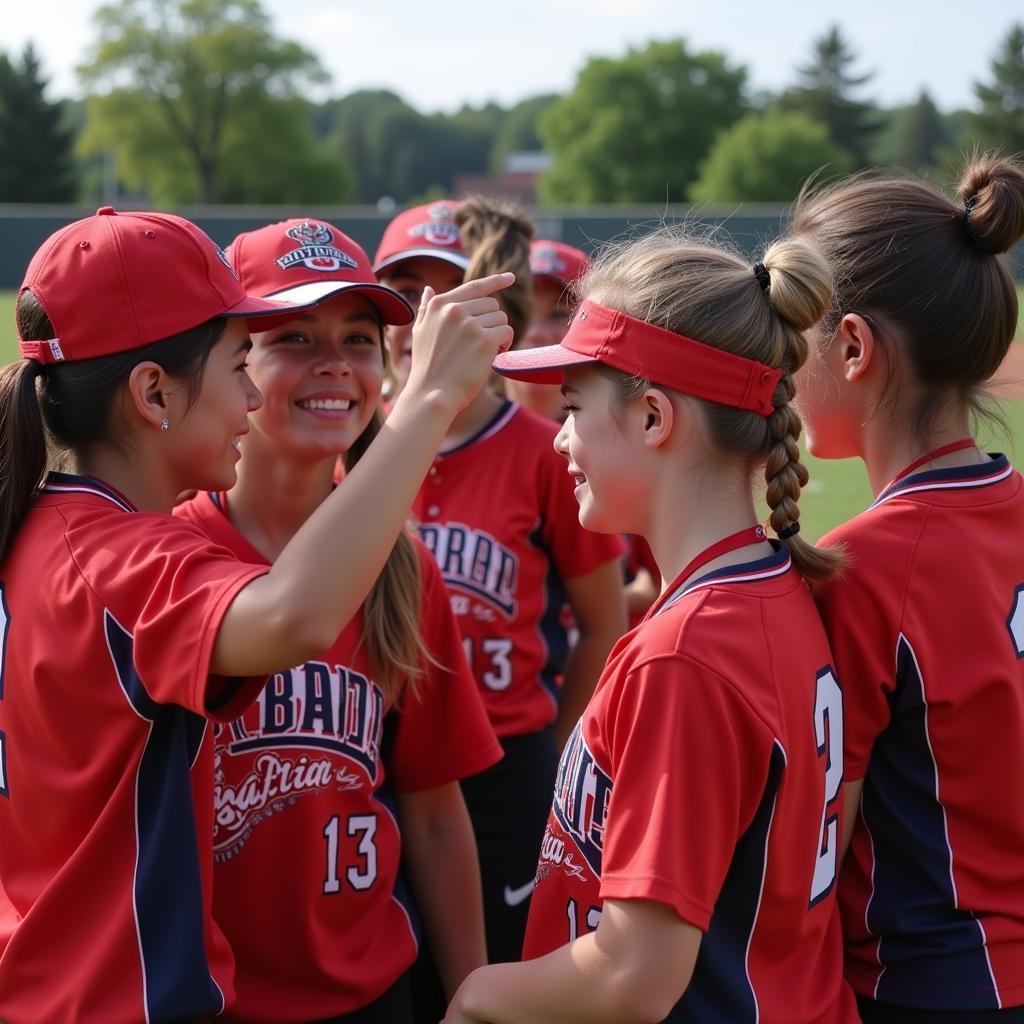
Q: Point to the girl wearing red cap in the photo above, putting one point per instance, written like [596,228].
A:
[928,623]
[687,870]
[331,934]
[122,629]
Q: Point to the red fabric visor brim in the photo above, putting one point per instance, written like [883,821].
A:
[546,365]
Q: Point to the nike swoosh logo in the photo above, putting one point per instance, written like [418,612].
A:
[513,897]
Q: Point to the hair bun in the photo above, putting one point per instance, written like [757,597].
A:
[801,282]
[992,190]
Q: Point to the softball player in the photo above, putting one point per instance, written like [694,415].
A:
[355,755]
[928,623]
[497,511]
[687,870]
[123,629]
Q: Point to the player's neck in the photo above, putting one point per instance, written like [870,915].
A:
[891,444]
[693,510]
[275,495]
[472,419]
[136,474]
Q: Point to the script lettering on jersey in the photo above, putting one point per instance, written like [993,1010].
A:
[582,794]
[303,720]
[474,561]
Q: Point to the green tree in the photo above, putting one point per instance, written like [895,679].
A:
[36,144]
[924,135]
[173,82]
[766,157]
[634,129]
[826,93]
[1000,122]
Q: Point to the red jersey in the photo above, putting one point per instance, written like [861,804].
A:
[705,774]
[109,618]
[305,810]
[499,515]
[927,626]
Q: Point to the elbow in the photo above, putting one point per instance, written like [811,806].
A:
[645,997]
[303,635]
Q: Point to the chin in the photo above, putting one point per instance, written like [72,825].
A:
[596,521]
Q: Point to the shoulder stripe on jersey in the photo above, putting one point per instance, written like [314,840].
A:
[927,942]
[750,572]
[499,420]
[960,477]
[68,483]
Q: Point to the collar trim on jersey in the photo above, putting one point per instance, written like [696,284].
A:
[72,483]
[777,564]
[505,412]
[956,478]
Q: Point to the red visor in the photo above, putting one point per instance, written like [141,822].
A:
[601,335]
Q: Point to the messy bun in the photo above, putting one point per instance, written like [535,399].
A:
[993,194]
[496,237]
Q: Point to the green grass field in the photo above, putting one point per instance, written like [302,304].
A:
[838,490]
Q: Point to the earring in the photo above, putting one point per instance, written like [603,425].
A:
[164,425]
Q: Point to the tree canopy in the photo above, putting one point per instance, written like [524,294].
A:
[827,92]
[635,128]
[1000,121]
[36,146]
[184,92]
[766,158]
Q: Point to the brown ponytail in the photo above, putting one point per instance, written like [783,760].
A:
[22,446]
[496,238]
[394,641]
[670,280]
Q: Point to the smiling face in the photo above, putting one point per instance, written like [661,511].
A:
[320,376]
[205,434]
[602,441]
[409,278]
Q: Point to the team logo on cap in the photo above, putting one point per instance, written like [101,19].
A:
[315,250]
[441,228]
[223,257]
[544,260]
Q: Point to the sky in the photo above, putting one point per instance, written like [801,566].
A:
[480,50]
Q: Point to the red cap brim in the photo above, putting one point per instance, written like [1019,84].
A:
[545,365]
[266,314]
[458,259]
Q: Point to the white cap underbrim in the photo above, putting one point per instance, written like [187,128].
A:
[393,308]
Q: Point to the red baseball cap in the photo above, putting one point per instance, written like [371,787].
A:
[427,230]
[601,335]
[307,261]
[118,281]
[557,260]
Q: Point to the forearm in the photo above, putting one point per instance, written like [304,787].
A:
[323,575]
[576,984]
[445,875]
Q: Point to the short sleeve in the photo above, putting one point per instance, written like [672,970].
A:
[166,590]
[862,611]
[575,551]
[443,733]
[690,760]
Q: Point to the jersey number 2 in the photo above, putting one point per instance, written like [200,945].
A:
[828,733]
[363,826]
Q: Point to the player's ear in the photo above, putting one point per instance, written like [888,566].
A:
[147,392]
[659,416]
[857,343]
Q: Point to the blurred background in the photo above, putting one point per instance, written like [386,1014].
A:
[599,116]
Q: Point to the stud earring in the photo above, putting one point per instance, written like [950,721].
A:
[164,425]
